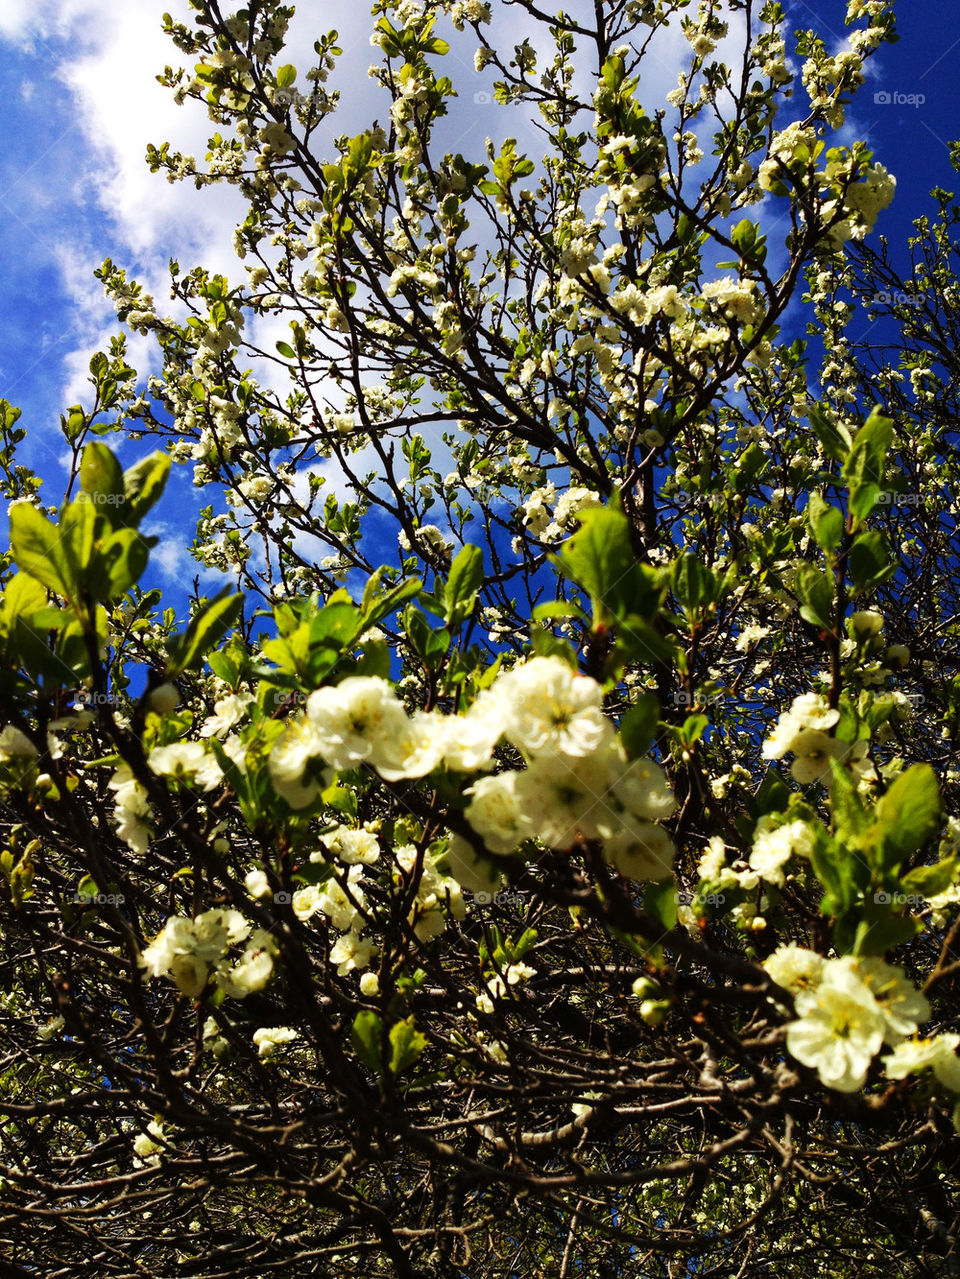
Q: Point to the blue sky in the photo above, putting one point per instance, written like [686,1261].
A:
[77,79]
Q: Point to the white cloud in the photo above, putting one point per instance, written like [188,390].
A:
[107,60]
[172,557]
[22,22]
[120,108]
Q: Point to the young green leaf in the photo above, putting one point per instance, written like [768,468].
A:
[406,1045]
[212,622]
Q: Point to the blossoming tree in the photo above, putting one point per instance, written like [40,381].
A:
[540,860]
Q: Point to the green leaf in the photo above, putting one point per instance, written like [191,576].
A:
[39,549]
[772,796]
[214,619]
[850,819]
[143,485]
[101,475]
[552,609]
[88,888]
[693,728]
[744,236]
[815,590]
[638,641]
[376,607]
[928,881]
[876,937]
[406,1045]
[239,782]
[909,813]
[73,422]
[545,644]
[753,462]
[600,559]
[418,629]
[832,866]
[639,726]
[835,440]
[119,563]
[463,582]
[286,350]
[227,663]
[77,529]
[337,625]
[660,900]
[694,585]
[365,1037]
[826,522]
[870,562]
[863,469]
[23,597]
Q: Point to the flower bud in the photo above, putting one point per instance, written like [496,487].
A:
[897,656]
[865,624]
[655,1011]
[164,699]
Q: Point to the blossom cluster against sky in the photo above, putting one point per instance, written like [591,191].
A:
[81,101]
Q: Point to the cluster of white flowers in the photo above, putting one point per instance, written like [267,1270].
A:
[228,711]
[344,903]
[862,201]
[578,783]
[270,1039]
[854,193]
[428,537]
[751,634]
[536,510]
[15,744]
[148,1145]
[349,846]
[774,846]
[803,731]
[847,1009]
[737,299]
[131,809]
[184,761]
[435,891]
[791,146]
[499,984]
[187,762]
[190,951]
[469,11]
[342,899]
[361,721]
[255,488]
